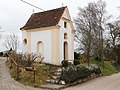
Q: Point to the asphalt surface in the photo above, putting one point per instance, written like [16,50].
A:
[103,83]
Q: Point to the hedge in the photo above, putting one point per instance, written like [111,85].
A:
[73,73]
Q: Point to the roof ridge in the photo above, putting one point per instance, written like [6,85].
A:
[50,10]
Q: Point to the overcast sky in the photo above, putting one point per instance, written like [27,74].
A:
[15,13]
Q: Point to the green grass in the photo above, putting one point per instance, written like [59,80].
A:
[107,68]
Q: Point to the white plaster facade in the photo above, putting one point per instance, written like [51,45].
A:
[52,39]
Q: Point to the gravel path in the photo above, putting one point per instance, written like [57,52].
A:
[103,83]
[8,83]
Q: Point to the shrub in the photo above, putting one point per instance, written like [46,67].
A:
[118,54]
[97,70]
[64,63]
[68,75]
[76,62]
[82,72]
[1,53]
[26,59]
[98,59]
[76,55]
[74,73]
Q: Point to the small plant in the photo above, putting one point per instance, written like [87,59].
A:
[64,63]
[40,58]
[98,59]
[76,62]
[26,59]
[29,58]
[1,53]
[97,70]
[76,55]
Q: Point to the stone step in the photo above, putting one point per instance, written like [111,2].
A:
[56,82]
[55,77]
[50,86]
[57,73]
[62,82]
[59,69]
[51,81]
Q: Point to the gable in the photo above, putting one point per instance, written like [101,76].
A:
[66,17]
[66,14]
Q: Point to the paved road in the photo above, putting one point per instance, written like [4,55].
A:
[103,83]
[8,83]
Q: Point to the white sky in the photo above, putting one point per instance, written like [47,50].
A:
[14,13]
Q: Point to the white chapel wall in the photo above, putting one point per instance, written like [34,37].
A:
[45,37]
[67,30]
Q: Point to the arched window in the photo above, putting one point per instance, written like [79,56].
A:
[40,48]
[65,36]
[39,42]
[25,41]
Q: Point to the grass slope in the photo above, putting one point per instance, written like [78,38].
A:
[26,77]
[107,68]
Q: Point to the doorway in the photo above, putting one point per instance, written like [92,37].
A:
[65,51]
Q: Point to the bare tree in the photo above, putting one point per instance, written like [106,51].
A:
[90,26]
[114,36]
[101,19]
[85,32]
[11,42]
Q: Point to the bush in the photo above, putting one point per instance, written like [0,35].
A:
[64,63]
[1,53]
[97,70]
[82,72]
[76,62]
[98,59]
[74,73]
[68,75]
[76,55]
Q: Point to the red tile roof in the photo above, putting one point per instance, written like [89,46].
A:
[44,19]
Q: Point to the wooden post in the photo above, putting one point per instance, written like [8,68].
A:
[34,77]
[17,72]
[7,57]
[10,63]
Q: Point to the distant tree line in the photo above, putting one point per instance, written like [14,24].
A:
[11,41]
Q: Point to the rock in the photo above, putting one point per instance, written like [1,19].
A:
[59,69]
[79,81]
[57,73]
[50,81]
[55,77]
[62,82]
